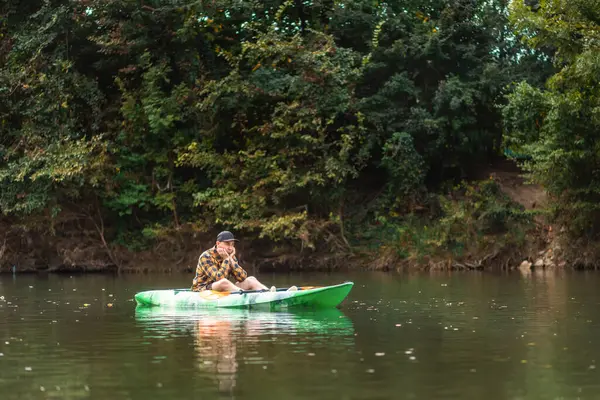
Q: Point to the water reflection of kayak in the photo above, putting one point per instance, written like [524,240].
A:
[227,337]
[329,321]
[311,297]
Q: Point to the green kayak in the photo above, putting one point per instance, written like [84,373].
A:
[306,296]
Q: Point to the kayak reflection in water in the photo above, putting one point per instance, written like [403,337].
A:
[217,264]
[216,347]
[223,338]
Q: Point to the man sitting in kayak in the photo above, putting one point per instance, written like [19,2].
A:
[218,263]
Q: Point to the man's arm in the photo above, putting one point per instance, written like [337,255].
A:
[238,272]
[212,270]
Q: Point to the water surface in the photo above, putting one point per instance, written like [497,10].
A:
[411,336]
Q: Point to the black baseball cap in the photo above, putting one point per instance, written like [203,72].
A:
[226,236]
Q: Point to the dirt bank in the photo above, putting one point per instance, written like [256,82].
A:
[81,246]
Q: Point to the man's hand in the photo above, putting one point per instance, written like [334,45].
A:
[222,252]
[232,253]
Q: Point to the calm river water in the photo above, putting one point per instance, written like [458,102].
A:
[413,336]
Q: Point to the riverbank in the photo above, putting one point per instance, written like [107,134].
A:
[536,251]
[496,221]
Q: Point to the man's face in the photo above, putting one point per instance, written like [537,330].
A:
[227,246]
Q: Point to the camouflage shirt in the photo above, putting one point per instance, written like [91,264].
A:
[211,268]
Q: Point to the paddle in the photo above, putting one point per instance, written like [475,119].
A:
[241,291]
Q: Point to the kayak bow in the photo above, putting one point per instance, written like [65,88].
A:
[307,296]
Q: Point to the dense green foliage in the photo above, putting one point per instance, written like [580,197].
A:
[559,124]
[286,119]
[475,223]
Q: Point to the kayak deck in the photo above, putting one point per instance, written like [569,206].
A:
[307,296]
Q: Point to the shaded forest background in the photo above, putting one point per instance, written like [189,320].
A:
[323,133]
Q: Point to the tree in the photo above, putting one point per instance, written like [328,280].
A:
[558,126]
[277,116]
